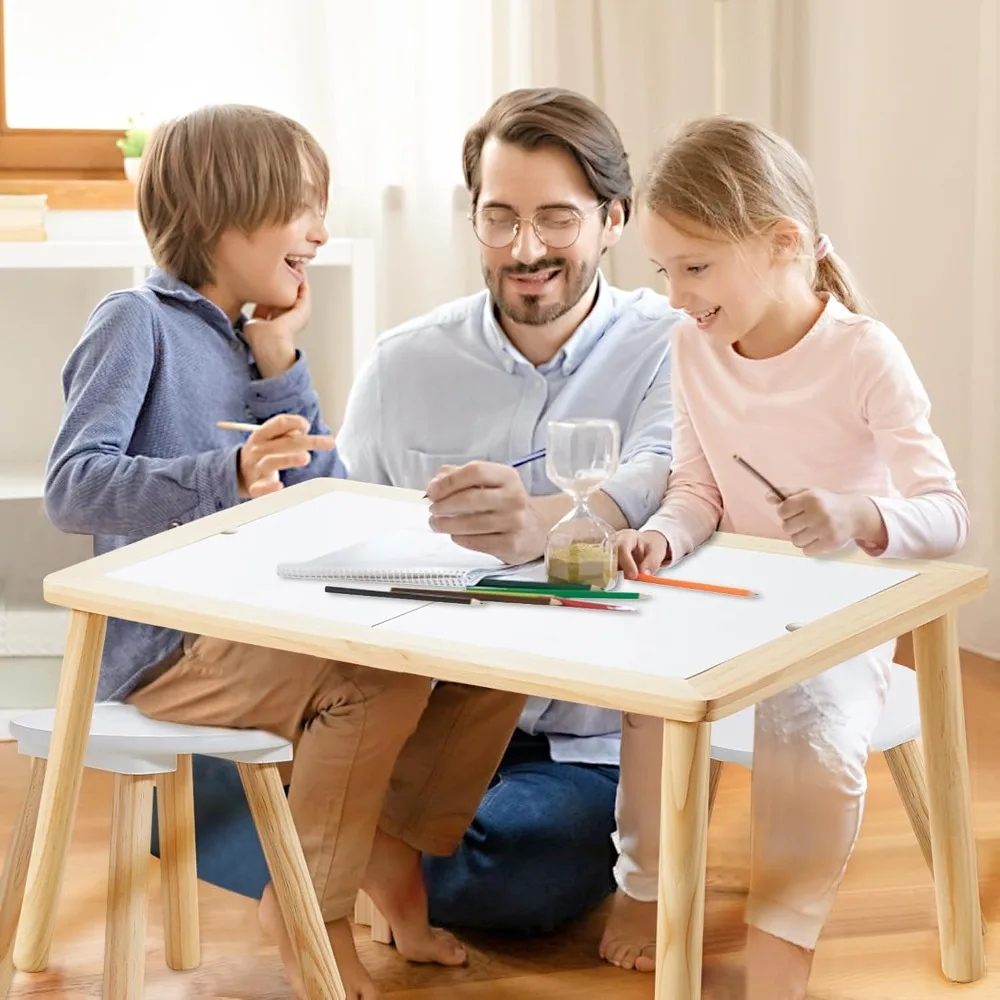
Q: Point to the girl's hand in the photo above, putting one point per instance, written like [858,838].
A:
[640,552]
[818,521]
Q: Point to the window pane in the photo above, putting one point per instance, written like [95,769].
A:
[92,65]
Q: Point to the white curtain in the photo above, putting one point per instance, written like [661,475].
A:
[896,110]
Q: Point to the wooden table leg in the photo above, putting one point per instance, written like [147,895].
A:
[680,919]
[15,871]
[61,789]
[953,842]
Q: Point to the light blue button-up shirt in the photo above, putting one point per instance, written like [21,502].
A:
[450,388]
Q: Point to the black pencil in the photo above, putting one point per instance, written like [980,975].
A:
[441,598]
[767,482]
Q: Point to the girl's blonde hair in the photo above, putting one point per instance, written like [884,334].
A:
[738,179]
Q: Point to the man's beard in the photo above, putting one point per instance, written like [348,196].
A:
[529,310]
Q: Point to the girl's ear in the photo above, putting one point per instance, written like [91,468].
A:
[786,239]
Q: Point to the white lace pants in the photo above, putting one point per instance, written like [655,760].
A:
[811,745]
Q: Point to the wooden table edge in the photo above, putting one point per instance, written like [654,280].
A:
[936,590]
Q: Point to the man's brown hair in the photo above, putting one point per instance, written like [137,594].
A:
[225,166]
[535,117]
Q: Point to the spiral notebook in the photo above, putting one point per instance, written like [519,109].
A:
[425,558]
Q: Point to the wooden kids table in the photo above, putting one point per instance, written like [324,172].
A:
[688,657]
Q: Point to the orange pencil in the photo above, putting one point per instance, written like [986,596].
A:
[712,588]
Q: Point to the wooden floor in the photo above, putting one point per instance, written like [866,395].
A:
[880,943]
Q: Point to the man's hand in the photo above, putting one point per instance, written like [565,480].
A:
[485,507]
[818,521]
[271,333]
[640,552]
[279,443]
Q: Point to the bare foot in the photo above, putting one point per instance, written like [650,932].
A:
[357,985]
[630,934]
[776,969]
[395,882]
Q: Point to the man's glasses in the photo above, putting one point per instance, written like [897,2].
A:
[557,228]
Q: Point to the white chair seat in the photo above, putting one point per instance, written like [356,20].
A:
[124,741]
[732,737]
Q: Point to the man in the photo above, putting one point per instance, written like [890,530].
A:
[447,401]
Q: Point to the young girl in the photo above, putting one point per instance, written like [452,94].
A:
[779,365]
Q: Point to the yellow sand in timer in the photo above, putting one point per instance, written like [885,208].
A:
[580,455]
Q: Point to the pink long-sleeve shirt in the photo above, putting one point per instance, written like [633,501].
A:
[843,410]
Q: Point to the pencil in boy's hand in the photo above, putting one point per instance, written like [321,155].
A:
[235,425]
[711,588]
[767,482]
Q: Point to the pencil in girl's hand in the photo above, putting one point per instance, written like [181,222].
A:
[767,482]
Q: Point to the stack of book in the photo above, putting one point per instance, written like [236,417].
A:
[22,217]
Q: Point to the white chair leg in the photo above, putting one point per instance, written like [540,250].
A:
[366,914]
[15,873]
[178,869]
[906,765]
[125,936]
[292,883]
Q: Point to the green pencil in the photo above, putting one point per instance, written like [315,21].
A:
[556,591]
[502,582]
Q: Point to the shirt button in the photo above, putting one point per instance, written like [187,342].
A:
[234,345]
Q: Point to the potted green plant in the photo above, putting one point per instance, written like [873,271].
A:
[132,145]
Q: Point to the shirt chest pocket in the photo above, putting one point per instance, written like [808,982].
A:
[420,467]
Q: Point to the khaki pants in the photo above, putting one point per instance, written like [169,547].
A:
[372,748]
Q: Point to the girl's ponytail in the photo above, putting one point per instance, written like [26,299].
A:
[833,276]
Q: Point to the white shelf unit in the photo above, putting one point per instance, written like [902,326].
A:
[47,290]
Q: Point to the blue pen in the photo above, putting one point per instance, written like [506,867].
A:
[533,457]
[526,460]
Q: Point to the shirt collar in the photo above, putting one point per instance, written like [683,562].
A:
[573,353]
[167,286]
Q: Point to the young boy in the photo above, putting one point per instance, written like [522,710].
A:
[232,199]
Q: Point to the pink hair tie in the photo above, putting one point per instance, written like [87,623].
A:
[823,246]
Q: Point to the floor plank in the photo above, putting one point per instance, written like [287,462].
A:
[880,942]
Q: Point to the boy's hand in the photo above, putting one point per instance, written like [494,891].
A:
[279,443]
[818,521]
[640,552]
[271,333]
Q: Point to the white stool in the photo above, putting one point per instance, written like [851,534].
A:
[138,751]
[897,735]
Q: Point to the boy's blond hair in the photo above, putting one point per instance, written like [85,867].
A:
[738,179]
[226,166]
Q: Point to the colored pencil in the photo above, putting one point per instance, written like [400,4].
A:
[235,425]
[525,460]
[442,598]
[767,482]
[533,457]
[554,591]
[711,588]
[505,583]
[487,597]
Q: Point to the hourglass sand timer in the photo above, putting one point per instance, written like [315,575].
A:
[580,455]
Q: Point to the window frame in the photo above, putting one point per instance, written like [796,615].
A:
[63,154]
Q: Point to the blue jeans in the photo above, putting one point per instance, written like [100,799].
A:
[539,851]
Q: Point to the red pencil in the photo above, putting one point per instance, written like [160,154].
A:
[712,588]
